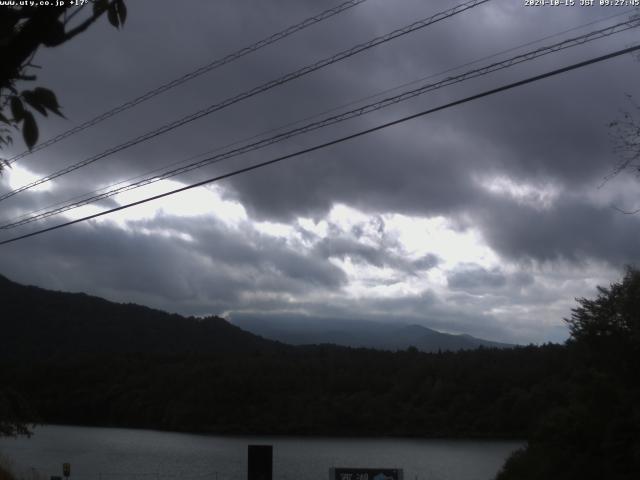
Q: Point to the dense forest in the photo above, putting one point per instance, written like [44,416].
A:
[314,390]
[577,404]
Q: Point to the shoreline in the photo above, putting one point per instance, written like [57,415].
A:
[309,436]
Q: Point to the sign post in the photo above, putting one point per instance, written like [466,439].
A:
[66,470]
[260,464]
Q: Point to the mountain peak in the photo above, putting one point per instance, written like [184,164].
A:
[378,335]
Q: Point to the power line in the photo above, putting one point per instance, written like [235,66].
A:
[361,133]
[335,119]
[191,75]
[524,57]
[250,93]
[31,214]
[488,57]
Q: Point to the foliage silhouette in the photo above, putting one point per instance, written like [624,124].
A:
[23,30]
[596,435]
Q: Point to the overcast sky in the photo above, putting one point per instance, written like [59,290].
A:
[488,218]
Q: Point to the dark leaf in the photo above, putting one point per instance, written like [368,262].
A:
[117,13]
[122,10]
[112,15]
[99,6]
[17,109]
[32,100]
[29,78]
[54,34]
[29,130]
[48,100]
[4,119]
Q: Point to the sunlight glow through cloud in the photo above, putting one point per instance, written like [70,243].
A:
[18,176]
[191,203]
[420,236]
[402,236]
[537,196]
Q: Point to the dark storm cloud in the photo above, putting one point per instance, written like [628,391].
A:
[159,267]
[545,132]
[250,249]
[343,247]
[426,262]
[378,256]
[570,230]
[387,175]
[121,265]
[475,278]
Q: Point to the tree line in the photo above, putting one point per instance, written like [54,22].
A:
[321,390]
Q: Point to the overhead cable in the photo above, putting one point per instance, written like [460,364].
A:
[250,93]
[361,133]
[363,110]
[314,116]
[191,75]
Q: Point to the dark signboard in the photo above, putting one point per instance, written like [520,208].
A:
[260,464]
[365,474]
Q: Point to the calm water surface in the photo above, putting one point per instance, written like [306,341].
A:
[114,454]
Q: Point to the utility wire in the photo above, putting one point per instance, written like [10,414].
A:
[591,36]
[250,93]
[191,75]
[83,196]
[361,133]
[331,120]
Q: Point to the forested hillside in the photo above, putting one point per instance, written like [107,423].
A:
[38,323]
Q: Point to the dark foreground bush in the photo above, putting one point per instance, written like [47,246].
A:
[596,435]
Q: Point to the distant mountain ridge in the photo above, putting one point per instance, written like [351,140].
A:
[358,333]
[39,323]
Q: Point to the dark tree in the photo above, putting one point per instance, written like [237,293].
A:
[23,30]
[613,318]
[597,434]
[625,135]
[15,416]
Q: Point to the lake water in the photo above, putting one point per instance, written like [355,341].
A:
[124,454]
